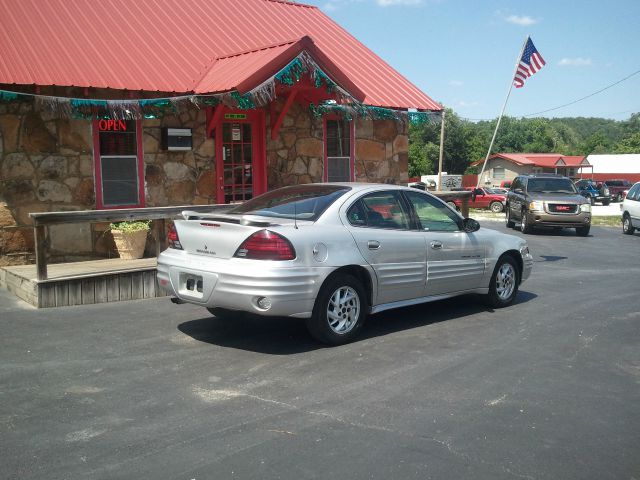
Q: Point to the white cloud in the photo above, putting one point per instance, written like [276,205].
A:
[522,20]
[575,62]
[456,83]
[391,3]
[464,104]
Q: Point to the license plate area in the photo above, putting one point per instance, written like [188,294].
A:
[192,285]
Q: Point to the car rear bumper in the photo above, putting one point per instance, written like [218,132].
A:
[236,285]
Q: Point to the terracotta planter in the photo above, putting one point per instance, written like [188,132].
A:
[130,245]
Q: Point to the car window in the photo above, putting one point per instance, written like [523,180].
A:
[634,192]
[433,214]
[517,183]
[550,185]
[302,202]
[379,210]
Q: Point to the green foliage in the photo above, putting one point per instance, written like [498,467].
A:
[131,226]
[630,144]
[466,141]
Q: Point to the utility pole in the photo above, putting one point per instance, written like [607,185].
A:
[441,152]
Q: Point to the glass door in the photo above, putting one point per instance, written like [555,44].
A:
[237,161]
[240,156]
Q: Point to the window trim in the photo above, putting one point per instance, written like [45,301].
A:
[97,169]
[325,173]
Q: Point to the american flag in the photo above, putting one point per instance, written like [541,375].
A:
[530,62]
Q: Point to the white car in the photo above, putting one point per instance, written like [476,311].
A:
[630,208]
[333,253]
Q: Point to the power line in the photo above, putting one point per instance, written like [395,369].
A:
[566,104]
[585,97]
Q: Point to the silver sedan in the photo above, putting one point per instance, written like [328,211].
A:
[334,253]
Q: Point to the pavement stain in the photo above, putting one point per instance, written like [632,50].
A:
[84,435]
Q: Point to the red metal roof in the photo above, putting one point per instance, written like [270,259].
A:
[200,46]
[548,160]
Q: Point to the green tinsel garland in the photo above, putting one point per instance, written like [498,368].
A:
[7,96]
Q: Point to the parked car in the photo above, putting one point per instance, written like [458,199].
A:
[617,188]
[594,192]
[333,253]
[547,200]
[483,198]
[630,208]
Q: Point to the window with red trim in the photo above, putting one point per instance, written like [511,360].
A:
[338,147]
[118,163]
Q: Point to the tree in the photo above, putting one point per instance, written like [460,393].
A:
[630,144]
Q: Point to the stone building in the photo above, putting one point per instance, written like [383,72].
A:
[268,108]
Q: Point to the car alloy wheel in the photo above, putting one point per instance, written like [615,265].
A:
[525,227]
[339,311]
[504,283]
[343,310]
[510,222]
[496,207]
[627,226]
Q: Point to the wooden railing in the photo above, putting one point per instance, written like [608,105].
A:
[42,220]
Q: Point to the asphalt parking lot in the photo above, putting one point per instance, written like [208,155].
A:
[548,388]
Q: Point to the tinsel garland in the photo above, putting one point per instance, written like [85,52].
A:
[350,111]
[345,105]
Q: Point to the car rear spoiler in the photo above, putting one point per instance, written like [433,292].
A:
[221,217]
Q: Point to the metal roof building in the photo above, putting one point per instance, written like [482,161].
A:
[196,46]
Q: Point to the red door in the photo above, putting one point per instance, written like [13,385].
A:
[240,155]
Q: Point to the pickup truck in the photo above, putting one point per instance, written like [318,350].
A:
[590,190]
[617,188]
[483,198]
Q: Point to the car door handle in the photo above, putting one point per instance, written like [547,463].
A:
[436,245]
[373,244]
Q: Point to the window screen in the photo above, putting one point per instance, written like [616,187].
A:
[119,181]
[119,162]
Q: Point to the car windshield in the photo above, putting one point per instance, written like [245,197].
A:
[551,185]
[302,202]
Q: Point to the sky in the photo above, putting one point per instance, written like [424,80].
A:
[462,53]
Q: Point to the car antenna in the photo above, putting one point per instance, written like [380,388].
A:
[295,215]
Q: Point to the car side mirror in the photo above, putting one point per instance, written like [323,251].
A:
[470,225]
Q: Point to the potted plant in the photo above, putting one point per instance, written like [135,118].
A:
[130,238]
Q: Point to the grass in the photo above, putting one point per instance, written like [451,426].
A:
[596,221]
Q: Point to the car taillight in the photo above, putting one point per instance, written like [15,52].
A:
[266,245]
[173,239]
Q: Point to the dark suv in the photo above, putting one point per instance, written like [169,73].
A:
[547,200]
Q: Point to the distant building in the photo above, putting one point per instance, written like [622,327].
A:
[503,167]
[608,167]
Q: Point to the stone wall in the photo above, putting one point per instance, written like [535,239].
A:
[46,164]
[297,155]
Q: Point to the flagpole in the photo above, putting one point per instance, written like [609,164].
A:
[504,106]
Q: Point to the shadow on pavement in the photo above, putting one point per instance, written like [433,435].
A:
[286,336]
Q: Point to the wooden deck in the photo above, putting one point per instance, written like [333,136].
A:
[82,283]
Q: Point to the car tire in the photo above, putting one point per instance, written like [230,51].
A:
[510,223]
[339,311]
[619,197]
[606,202]
[504,283]
[627,225]
[496,207]
[525,226]
[583,231]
